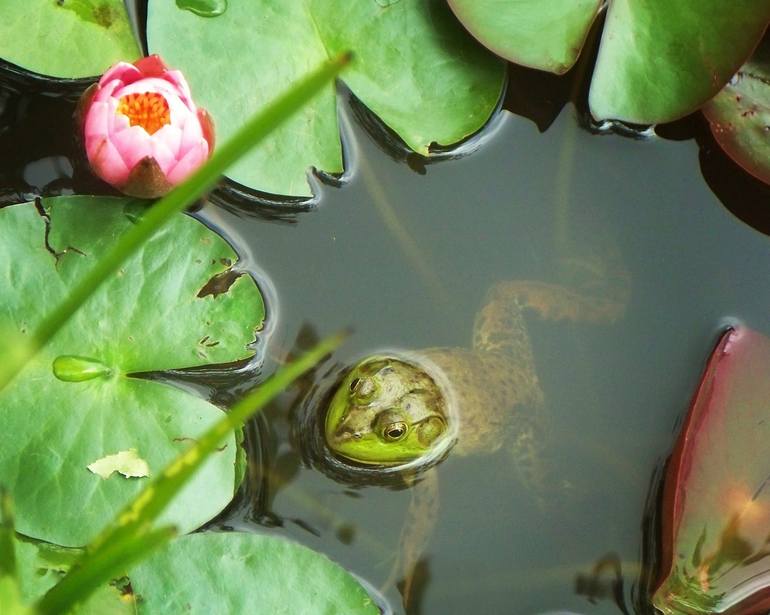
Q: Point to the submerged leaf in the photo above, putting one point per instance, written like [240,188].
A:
[740,116]
[66,38]
[237,573]
[658,60]
[414,67]
[128,463]
[715,550]
[148,317]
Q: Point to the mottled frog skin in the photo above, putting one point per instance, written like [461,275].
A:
[400,410]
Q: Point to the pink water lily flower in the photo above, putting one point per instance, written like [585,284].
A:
[143,133]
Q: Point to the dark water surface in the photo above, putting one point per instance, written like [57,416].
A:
[404,259]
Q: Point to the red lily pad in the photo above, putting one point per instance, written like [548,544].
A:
[739,115]
[716,502]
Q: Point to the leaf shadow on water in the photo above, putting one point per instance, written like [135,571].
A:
[745,196]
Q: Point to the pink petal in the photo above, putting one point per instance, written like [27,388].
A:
[97,120]
[107,163]
[176,78]
[163,155]
[192,135]
[106,91]
[207,127]
[133,144]
[117,122]
[122,71]
[171,136]
[151,66]
[192,160]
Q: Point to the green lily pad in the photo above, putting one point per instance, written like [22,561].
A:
[658,60]
[66,38]
[41,566]
[175,304]
[239,573]
[716,498]
[739,116]
[414,67]
[543,34]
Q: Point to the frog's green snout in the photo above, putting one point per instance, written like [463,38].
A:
[386,411]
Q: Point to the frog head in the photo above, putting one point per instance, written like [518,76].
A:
[386,411]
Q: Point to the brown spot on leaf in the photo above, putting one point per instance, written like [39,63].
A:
[219,284]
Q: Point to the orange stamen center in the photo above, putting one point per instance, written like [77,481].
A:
[148,110]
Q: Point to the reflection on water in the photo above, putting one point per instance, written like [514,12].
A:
[404,258]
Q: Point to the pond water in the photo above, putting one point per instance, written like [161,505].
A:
[404,260]
[402,255]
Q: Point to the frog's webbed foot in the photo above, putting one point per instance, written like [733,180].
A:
[418,528]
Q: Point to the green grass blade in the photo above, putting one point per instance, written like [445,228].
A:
[256,129]
[11,602]
[99,567]
[7,532]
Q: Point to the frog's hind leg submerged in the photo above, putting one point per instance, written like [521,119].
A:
[416,534]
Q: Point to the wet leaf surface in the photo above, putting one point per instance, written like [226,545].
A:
[239,573]
[739,115]
[90,35]
[716,502]
[147,318]
[548,35]
[415,68]
[658,60]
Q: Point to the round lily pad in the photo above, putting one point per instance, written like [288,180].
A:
[241,573]
[414,67]
[66,38]
[658,60]
[544,34]
[176,303]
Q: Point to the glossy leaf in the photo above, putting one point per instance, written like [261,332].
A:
[66,38]
[740,116]
[154,314]
[715,555]
[415,68]
[544,34]
[658,60]
[237,573]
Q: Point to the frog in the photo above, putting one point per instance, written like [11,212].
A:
[403,410]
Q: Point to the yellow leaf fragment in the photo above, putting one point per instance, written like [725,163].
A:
[128,463]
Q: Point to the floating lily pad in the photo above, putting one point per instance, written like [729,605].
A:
[40,566]
[66,38]
[414,67]
[175,304]
[239,573]
[716,503]
[544,34]
[658,61]
[740,116]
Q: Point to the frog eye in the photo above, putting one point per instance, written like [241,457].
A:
[362,388]
[394,432]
